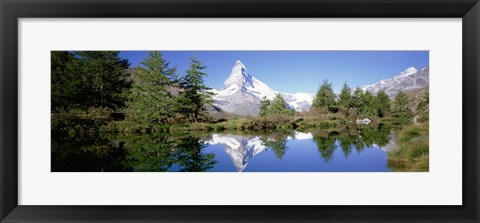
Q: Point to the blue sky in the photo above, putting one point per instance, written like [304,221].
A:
[297,71]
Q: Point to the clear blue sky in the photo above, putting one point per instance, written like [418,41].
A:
[297,71]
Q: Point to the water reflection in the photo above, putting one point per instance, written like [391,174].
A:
[239,148]
[271,152]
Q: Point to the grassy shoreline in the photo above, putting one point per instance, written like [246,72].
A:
[238,124]
[412,151]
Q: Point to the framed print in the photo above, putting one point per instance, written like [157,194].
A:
[204,111]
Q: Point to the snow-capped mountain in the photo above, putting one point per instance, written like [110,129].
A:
[242,93]
[408,80]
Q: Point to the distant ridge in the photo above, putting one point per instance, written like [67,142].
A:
[408,80]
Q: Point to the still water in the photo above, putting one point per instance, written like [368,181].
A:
[359,150]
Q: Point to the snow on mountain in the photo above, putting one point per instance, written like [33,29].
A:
[408,80]
[242,93]
[409,71]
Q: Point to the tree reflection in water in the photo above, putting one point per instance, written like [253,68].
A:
[189,155]
[186,153]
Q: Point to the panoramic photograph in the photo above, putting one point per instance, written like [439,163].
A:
[240,111]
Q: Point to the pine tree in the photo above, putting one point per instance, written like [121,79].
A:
[382,103]
[195,94]
[357,99]
[279,107]
[150,100]
[264,105]
[65,81]
[88,79]
[345,100]
[368,105]
[400,103]
[325,98]
[105,78]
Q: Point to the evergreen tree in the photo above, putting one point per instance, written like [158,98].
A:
[345,99]
[104,78]
[400,103]
[195,94]
[65,81]
[280,107]
[357,99]
[382,103]
[325,98]
[87,79]
[264,105]
[150,100]
[368,105]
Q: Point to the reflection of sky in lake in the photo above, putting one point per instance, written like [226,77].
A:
[247,154]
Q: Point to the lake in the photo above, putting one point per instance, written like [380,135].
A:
[350,150]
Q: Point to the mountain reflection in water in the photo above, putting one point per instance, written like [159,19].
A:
[358,150]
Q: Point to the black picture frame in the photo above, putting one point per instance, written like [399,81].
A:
[11,11]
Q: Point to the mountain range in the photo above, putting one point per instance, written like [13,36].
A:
[241,93]
[408,80]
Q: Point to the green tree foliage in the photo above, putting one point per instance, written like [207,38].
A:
[88,79]
[401,112]
[66,84]
[276,107]
[264,105]
[345,99]
[195,95]
[280,107]
[151,101]
[382,103]
[400,103]
[325,98]
[104,78]
[373,105]
[87,86]
[357,99]
[368,102]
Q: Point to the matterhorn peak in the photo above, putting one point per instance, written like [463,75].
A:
[242,94]
[409,71]
[239,63]
[239,76]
